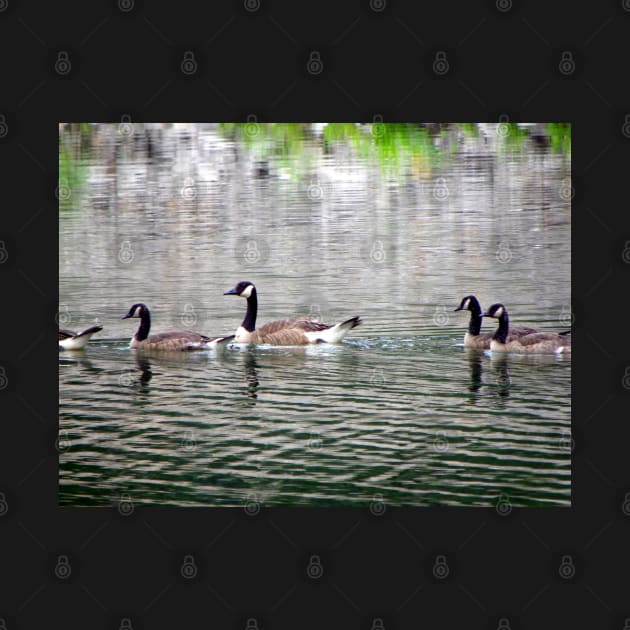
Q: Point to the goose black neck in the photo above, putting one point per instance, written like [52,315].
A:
[145,325]
[504,327]
[249,323]
[474,326]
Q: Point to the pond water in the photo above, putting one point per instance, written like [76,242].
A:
[395,224]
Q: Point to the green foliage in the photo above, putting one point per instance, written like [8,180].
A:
[73,167]
[560,137]
[398,147]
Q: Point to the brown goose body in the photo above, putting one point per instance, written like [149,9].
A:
[70,340]
[294,331]
[481,341]
[534,343]
[184,341]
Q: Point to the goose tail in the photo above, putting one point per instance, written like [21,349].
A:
[335,333]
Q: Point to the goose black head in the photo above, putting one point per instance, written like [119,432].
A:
[137,310]
[469,303]
[496,310]
[243,289]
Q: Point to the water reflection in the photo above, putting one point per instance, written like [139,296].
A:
[476,371]
[251,374]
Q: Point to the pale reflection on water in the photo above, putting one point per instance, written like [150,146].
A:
[398,410]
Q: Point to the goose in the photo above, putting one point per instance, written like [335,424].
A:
[296,331]
[473,338]
[169,341]
[70,340]
[538,342]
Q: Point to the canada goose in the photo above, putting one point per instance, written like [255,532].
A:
[70,340]
[538,342]
[473,338]
[167,341]
[296,331]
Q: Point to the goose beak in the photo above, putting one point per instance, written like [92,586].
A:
[231,292]
[127,316]
[486,315]
[459,308]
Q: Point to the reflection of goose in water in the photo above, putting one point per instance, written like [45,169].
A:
[81,360]
[251,374]
[144,365]
[500,364]
[169,341]
[294,331]
[535,343]
[476,370]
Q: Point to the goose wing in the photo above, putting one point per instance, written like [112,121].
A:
[542,337]
[520,331]
[89,331]
[176,341]
[295,323]
[283,337]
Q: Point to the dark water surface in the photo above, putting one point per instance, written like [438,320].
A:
[399,412]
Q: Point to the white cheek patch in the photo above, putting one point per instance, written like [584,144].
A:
[498,312]
[466,304]
[136,313]
[247,291]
